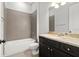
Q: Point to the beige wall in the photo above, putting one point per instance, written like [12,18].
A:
[18,25]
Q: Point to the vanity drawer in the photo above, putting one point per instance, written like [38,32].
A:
[43,40]
[70,49]
[54,43]
[49,42]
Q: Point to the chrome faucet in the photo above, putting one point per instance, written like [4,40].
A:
[70,31]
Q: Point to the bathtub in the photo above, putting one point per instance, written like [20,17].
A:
[16,46]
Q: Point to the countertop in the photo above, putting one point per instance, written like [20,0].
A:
[70,41]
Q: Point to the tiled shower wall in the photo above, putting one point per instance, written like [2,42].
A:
[18,25]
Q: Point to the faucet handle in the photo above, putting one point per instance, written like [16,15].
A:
[70,31]
[66,33]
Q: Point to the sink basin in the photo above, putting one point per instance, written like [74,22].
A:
[72,36]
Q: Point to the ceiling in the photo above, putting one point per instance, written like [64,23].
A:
[29,3]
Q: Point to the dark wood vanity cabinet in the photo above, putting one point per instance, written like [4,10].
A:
[51,48]
[44,51]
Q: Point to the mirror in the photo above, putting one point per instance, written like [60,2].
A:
[65,18]
[51,20]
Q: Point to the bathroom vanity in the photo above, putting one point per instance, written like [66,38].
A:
[57,46]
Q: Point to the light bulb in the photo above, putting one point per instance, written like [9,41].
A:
[56,6]
[63,3]
[53,4]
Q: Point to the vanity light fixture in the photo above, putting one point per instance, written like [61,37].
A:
[55,5]
[63,3]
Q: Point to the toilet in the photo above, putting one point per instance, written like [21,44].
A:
[34,48]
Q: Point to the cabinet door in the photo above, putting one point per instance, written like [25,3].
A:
[44,51]
[58,53]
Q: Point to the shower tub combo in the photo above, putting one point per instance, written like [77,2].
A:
[16,46]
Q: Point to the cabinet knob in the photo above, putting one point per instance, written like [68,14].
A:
[48,48]
[51,49]
[68,49]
